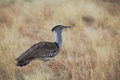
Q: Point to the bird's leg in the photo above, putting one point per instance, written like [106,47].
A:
[45,71]
[43,63]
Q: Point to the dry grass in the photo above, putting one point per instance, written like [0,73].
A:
[91,48]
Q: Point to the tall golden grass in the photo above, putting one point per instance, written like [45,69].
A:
[90,49]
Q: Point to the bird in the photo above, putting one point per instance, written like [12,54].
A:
[44,51]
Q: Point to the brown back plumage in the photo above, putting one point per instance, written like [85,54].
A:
[42,50]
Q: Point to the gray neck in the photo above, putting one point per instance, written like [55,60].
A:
[58,37]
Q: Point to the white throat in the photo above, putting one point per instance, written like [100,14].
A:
[58,37]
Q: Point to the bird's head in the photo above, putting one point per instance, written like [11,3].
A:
[60,27]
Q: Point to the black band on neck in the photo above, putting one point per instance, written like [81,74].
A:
[56,44]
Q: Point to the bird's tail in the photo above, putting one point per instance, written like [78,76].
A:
[23,63]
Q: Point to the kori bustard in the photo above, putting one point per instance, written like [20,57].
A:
[43,50]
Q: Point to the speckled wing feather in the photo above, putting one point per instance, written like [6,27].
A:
[40,50]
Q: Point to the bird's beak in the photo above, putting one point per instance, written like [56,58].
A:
[66,27]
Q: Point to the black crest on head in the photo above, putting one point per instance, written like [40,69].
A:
[56,27]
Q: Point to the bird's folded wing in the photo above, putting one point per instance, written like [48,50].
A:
[39,50]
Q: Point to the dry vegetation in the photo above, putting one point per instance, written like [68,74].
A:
[91,48]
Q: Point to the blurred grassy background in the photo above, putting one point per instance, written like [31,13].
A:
[91,48]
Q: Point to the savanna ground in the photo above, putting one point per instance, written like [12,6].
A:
[91,48]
